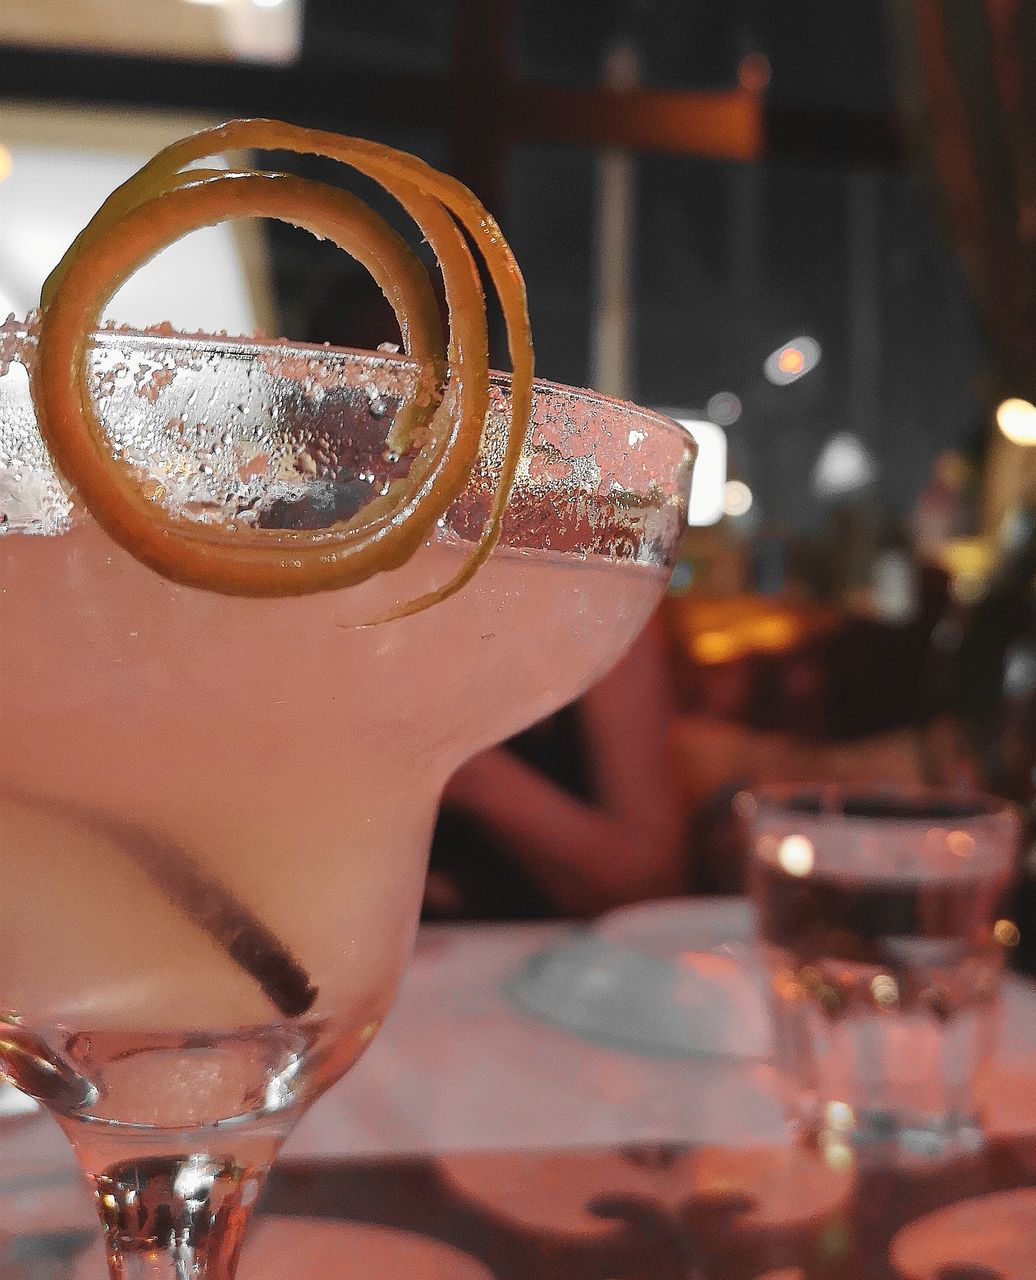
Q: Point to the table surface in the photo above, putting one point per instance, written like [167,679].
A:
[476,1140]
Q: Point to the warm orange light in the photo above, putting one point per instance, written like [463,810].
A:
[725,629]
[961,844]
[715,647]
[791,360]
[6,162]
[774,634]
[767,634]
[1016,418]
[1007,933]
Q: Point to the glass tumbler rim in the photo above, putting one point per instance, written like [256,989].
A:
[861,804]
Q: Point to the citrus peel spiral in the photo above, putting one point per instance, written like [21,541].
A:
[441,419]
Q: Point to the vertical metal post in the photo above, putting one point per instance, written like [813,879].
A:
[611,354]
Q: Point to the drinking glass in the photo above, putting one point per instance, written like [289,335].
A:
[877,914]
[215,811]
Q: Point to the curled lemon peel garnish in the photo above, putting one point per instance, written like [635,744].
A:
[442,416]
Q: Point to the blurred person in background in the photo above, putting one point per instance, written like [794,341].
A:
[581,813]
[626,794]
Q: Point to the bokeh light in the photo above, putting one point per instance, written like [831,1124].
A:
[885,990]
[796,855]
[1007,933]
[1016,418]
[724,408]
[737,498]
[792,360]
[839,1116]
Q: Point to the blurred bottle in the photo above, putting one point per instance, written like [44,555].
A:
[994,692]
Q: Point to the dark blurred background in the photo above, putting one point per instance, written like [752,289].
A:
[816,225]
[811,225]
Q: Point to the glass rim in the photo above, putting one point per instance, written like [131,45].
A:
[865,804]
[597,476]
[215,343]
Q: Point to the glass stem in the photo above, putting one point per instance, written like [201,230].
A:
[176,1217]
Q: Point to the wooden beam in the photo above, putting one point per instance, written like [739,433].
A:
[725,126]
[734,126]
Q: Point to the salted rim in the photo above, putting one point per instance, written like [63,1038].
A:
[240,345]
[216,343]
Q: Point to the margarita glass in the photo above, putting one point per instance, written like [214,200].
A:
[215,811]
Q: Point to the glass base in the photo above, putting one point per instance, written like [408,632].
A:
[884,1136]
[178,1216]
[174,1204]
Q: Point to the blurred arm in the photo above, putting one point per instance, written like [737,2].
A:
[628,844]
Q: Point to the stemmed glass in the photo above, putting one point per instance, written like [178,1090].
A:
[215,811]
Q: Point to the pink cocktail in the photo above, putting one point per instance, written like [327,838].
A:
[215,811]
